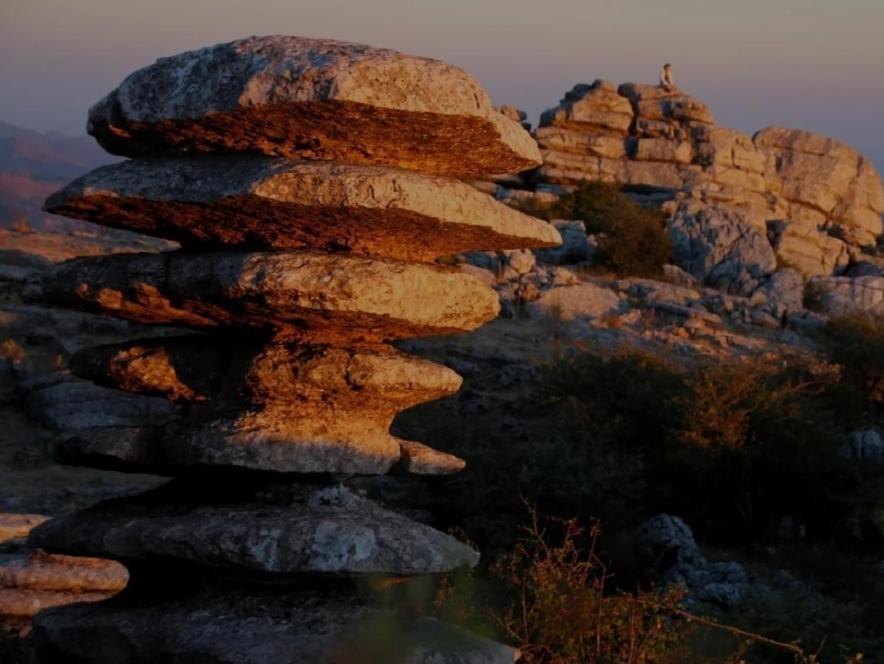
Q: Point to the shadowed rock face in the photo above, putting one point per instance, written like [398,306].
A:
[317,530]
[255,627]
[313,99]
[267,202]
[280,407]
[301,295]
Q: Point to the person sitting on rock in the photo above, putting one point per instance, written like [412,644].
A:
[666,81]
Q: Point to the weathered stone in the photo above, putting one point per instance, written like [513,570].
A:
[300,295]
[14,526]
[826,177]
[272,202]
[235,627]
[317,530]
[199,369]
[841,296]
[784,290]
[584,300]
[597,105]
[720,248]
[575,247]
[808,250]
[40,581]
[70,405]
[316,99]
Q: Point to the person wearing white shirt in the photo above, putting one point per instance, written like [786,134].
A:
[666,81]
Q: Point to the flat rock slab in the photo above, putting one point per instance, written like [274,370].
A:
[201,369]
[265,441]
[39,581]
[235,627]
[321,531]
[303,295]
[271,202]
[315,99]
[14,526]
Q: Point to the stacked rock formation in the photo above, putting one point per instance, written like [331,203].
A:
[819,201]
[310,184]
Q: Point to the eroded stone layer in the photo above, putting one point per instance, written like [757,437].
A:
[314,99]
[300,530]
[201,369]
[269,441]
[303,295]
[271,202]
[255,627]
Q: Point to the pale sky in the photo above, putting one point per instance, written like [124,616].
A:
[810,64]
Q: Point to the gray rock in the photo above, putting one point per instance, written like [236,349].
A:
[784,291]
[66,404]
[865,446]
[575,247]
[718,246]
[666,544]
[321,531]
[841,296]
[583,300]
[237,627]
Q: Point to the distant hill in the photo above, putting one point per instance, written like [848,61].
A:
[33,165]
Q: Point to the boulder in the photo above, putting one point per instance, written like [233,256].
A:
[15,526]
[255,627]
[718,246]
[583,300]
[327,530]
[827,179]
[597,105]
[301,295]
[272,202]
[316,99]
[40,581]
[70,405]
[810,251]
[841,296]
[784,291]
[575,247]
[865,446]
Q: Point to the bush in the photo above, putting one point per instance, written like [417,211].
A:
[633,239]
[857,344]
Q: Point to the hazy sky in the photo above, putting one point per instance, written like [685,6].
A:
[813,64]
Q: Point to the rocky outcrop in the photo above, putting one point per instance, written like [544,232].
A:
[313,99]
[820,202]
[298,272]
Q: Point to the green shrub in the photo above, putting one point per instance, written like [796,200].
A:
[857,344]
[633,239]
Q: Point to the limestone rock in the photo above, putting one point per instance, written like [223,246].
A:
[39,581]
[826,182]
[720,248]
[584,300]
[808,250]
[865,446]
[320,530]
[316,99]
[841,296]
[575,246]
[596,105]
[272,202]
[784,290]
[197,369]
[301,295]
[69,405]
[235,627]
[14,526]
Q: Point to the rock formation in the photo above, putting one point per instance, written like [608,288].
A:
[308,182]
[813,202]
